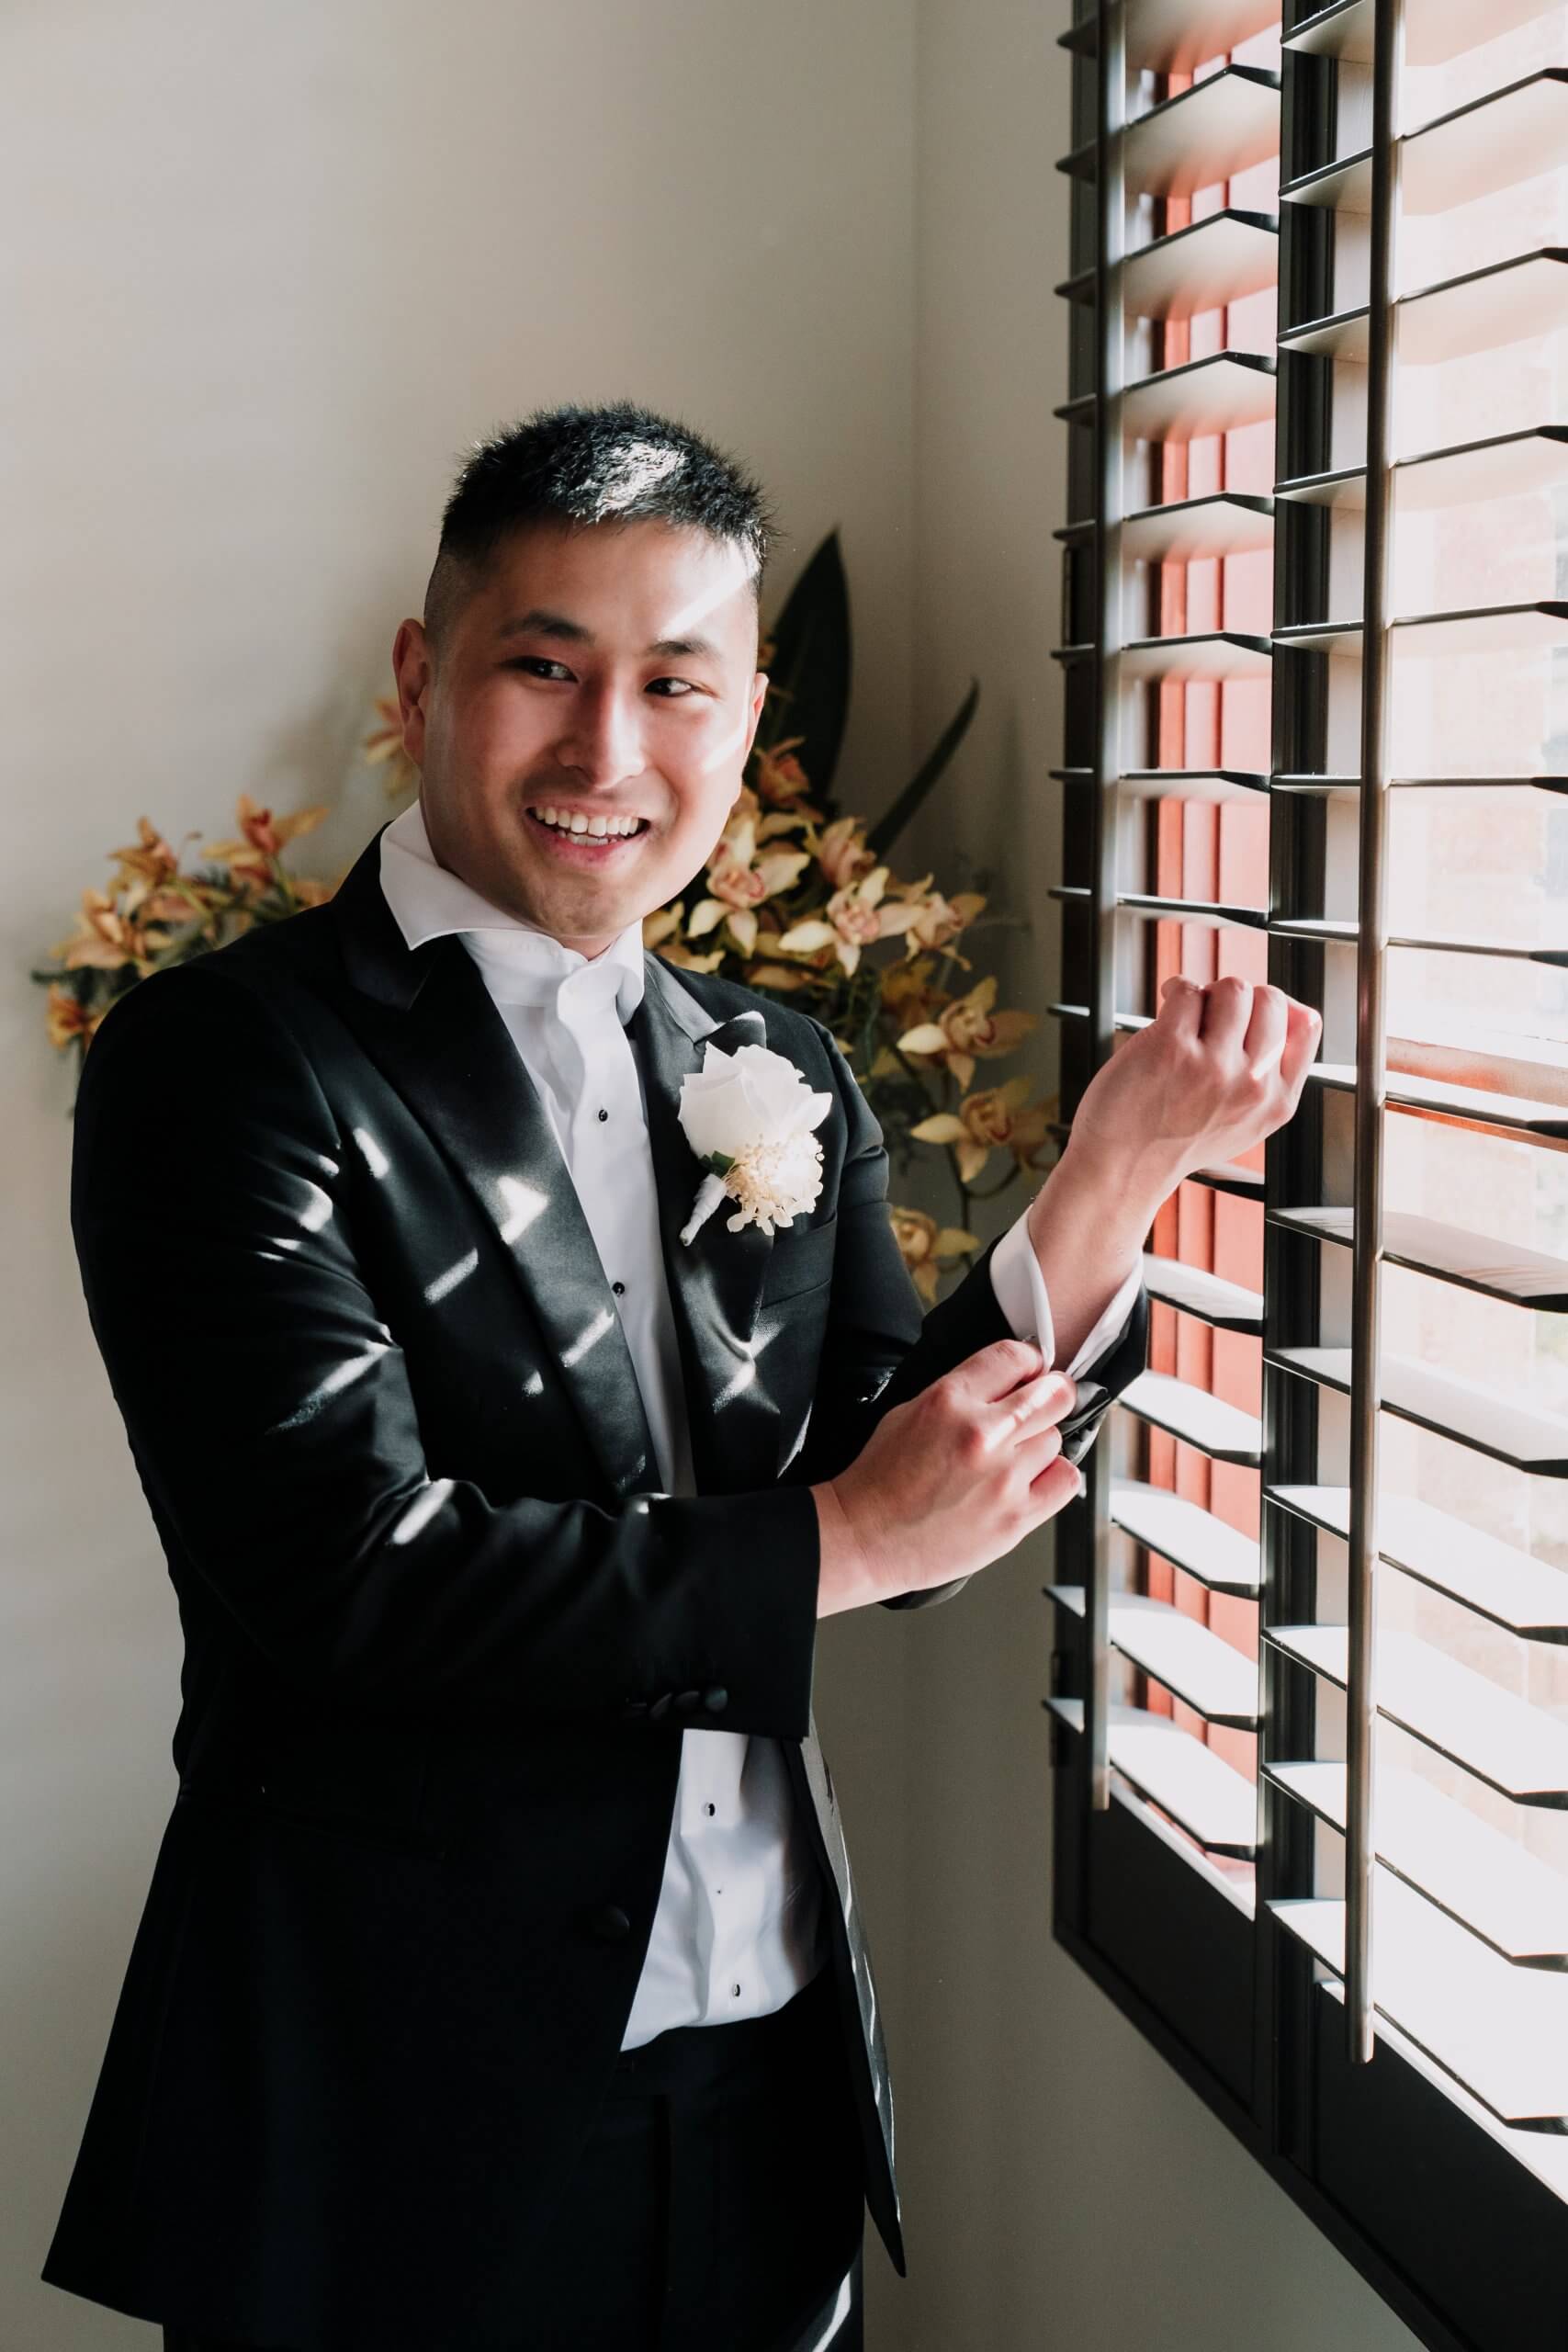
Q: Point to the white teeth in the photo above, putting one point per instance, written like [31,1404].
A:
[597,828]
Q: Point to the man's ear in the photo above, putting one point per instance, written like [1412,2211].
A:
[730,808]
[412,668]
[759,696]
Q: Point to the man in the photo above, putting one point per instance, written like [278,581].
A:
[501,1983]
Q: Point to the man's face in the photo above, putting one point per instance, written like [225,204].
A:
[603,673]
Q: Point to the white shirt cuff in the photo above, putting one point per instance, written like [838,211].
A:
[1021,1294]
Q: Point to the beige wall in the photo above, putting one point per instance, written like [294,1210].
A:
[276,262]
[280,262]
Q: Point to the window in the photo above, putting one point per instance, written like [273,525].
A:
[1310,1672]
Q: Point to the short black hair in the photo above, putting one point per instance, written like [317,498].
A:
[616,463]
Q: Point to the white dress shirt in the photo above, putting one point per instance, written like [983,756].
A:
[739,1928]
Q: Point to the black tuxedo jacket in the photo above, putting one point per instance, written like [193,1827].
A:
[442,1632]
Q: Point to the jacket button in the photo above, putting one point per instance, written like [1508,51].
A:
[687,1698]
[659,1708]
[717,1700]
[609,1923]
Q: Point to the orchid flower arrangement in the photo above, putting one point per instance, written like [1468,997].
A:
[154,913]
[798,901]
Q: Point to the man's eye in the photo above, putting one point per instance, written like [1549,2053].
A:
[539,661]
[535,661]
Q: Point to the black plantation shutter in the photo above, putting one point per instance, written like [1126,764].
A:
[1311,1673]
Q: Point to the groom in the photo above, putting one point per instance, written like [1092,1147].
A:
[502,1983]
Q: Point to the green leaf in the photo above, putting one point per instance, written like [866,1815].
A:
[887,830]
[809,673]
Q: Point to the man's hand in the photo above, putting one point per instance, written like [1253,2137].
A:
[948,1482]
[1220,1068]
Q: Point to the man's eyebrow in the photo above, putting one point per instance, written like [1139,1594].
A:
[540,623]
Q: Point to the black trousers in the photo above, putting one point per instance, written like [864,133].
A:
[719,2201]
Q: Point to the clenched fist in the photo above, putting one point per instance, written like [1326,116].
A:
[1221,1068]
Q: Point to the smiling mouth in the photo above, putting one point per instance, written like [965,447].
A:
[573,828]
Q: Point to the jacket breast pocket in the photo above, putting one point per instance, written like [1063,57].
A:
[799,1261]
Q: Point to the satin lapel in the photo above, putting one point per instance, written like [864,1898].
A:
[426,1019]
[716,1278]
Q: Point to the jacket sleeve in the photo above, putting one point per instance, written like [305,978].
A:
[271,1421]
[881,1351]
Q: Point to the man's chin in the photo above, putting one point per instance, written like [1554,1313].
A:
[574,916]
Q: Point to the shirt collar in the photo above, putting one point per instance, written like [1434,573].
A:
[520,962]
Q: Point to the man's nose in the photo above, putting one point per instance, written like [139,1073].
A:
[602,740]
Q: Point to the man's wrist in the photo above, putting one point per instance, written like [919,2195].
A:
[1125,1192]
[1088,1227]
[844,1577]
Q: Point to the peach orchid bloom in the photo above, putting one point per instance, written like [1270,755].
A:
[969,1028]
[740,877]
[842,852]
[149,859]
[263,838]
[984,1122]
[69,1019]
[922,1245]
[856,917]
[384,747]
[938,921]
[106,938]
[781,779]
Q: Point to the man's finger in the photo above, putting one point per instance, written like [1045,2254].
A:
[1266,1030]
[1050,1397]
[1047,1484]
[992,1371]
[1228,1007]
[1035,1452]
[1300,1043]
[1182,1012]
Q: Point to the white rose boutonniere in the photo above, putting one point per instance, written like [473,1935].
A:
[749,1115]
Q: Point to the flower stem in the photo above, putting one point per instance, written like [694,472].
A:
[991,1193]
